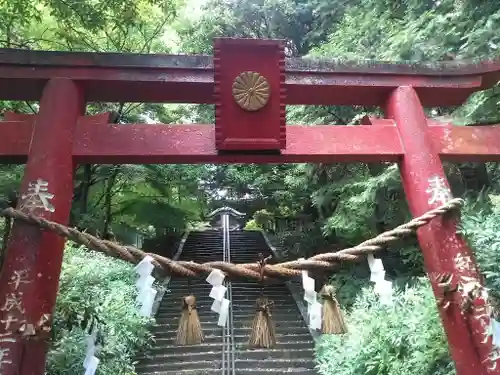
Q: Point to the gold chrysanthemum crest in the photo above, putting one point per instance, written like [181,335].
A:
[251,91]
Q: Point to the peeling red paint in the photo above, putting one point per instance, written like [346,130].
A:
[466,143]
[190,79]
[235,127]
[61,137]
[143,143]
[439,241]
[97,141]
[30,250]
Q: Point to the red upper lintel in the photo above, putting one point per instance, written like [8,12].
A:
[115,77]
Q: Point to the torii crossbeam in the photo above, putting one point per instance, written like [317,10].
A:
[250,82]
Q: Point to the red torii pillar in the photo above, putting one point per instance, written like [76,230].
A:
[30,276]
[445,252]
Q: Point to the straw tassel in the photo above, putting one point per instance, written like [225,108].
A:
[189,331]
[333,318]
[263,333]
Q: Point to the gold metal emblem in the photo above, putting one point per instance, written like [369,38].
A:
[251,91]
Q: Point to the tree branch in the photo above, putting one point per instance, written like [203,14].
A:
[337,117]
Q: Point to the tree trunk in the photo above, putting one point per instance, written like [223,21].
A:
[5,238]
[84,198]
[8,225]
[108,200]
[474,176]
[81,195]
[379,211]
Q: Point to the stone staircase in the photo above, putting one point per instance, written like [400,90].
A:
[166,358]
[293,353]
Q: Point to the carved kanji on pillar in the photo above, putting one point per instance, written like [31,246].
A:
[30,275]
[445,252]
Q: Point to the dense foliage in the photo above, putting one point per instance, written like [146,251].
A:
[310,208]
[96,289]
[481,226]
[407,337]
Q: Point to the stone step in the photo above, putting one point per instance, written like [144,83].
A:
[213,252]
[242,355]
[176,285]
[202,255]
[205,314]
[185,357]
[190,243]
[204,347]
[193,249]
[260,371]
[186,372]
[216,251]
[179,366]
[241,310]
[211,337]
[305,355]
[192,246]
[245,330]
[248,371]
[174,302]
[272,366]
[250,250]
[170,331]
[203,298]
[252,296]
[238,293]
[240,307]
[174,306]
[210,346]
[236,241]
[275,364]
[165,326]
[251,256]
[211,328]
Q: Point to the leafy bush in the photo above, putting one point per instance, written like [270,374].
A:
[263,217]
[252,225]
[94,287]
[306,243]
[362,199]
[408,338]
[2,230]
[350,281]
[480,225]
[405,338]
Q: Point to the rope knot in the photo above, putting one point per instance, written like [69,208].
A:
[264,305]
[262,262]
[329,292]
[189,303]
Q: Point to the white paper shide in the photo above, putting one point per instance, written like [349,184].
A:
[90,362]
[382,287]
[314,308]
[220,304]
[144,284]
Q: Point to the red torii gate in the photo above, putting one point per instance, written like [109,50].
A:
[250,81]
